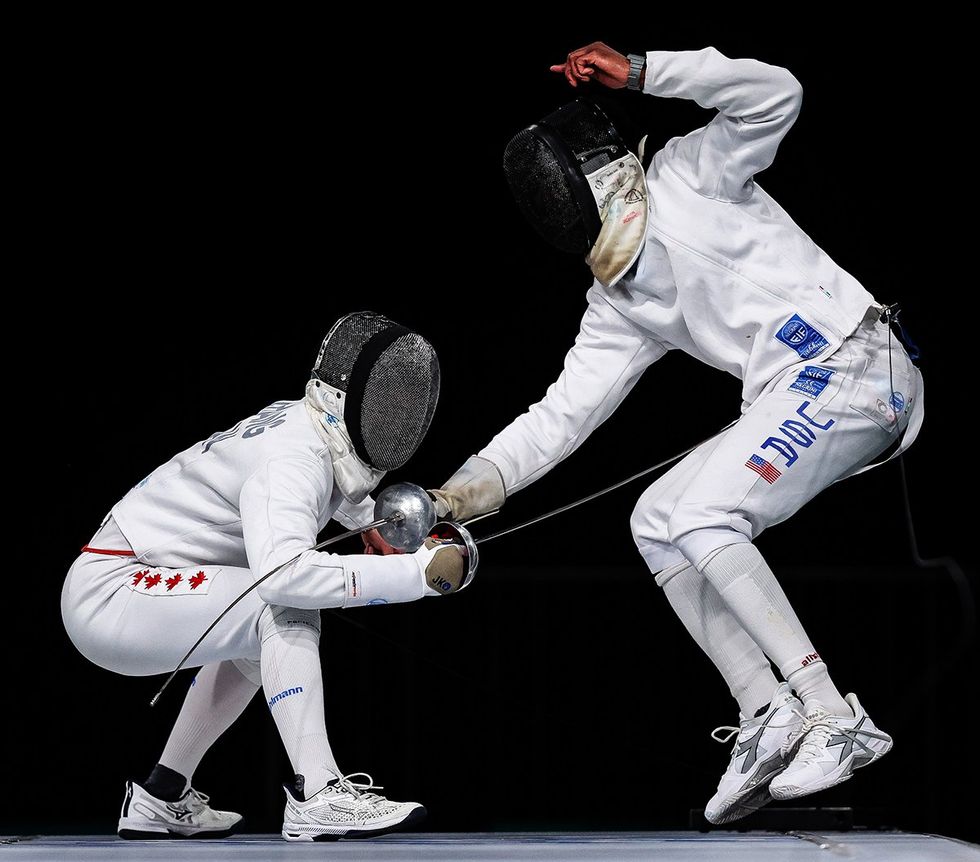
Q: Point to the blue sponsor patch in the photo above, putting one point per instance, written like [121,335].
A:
[289,691]
[798,335]
[812,380]
[897,401]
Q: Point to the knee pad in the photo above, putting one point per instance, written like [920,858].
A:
[698,532]
[276,619]
[639,523]
[664,576]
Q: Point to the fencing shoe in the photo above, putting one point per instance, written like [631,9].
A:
[757,758]
[345,809]
[827,749]
[145,817]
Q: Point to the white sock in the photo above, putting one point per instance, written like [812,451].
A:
[813,686]
[293,684]
[217,696]
[716,630]
[750,589]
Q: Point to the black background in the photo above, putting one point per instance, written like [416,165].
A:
[203,199]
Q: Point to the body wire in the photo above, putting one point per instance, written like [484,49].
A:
[380,522]
[539,518]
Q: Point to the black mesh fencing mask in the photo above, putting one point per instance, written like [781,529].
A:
[547,165]
[390,379]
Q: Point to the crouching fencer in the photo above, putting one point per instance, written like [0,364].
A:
[691,254]
[194,534]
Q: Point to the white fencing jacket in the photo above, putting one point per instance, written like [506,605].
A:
[254,497]
[725,274]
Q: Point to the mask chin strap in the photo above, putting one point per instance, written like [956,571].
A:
[354,477]
[621,196]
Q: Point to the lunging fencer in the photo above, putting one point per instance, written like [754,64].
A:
[691,254]
[199,530]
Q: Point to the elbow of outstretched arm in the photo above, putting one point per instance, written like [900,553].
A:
[277,594]
[777,98]
[300,598]
[791,91]
[315,580]
[271,594]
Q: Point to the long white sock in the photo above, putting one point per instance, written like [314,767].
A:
[716,630]
[293,683]
[750,589]
[217,696]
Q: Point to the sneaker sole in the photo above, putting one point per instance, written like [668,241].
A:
[147,835]
[795,791]
[748,801]
[414,817]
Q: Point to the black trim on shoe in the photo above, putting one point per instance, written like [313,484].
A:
[139,835]
[126,801]
[416,816]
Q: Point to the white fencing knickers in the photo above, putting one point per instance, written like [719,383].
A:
[139,620]
[819,422]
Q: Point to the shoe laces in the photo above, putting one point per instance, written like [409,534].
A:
[360,790]
[730,732]
[195,801]
[816,730]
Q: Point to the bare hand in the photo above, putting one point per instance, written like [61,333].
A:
[374,544]
[596,61]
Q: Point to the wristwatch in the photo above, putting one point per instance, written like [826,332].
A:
[638,63]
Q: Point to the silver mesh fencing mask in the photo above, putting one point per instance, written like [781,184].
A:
[390,379]
[547,165]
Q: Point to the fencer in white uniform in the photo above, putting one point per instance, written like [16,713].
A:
[693,255]
[200,529]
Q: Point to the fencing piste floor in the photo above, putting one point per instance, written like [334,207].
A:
[533,846]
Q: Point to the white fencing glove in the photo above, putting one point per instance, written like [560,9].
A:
[445,570]
[475,489]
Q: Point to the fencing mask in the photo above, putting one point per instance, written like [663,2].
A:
[579,186]
[386,379]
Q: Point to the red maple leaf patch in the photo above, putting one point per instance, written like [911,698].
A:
[139,576]
[152,581]
[197,580]
[173,580]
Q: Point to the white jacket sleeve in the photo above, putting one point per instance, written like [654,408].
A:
[280,504]
[607,359]
[757,105]
[353,516]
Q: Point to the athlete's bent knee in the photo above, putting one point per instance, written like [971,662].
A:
[276,619]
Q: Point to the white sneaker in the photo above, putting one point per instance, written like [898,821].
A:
[345,809]
[757,758]
[145,817]
[827,749]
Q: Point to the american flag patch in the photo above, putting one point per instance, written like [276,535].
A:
[764,468]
